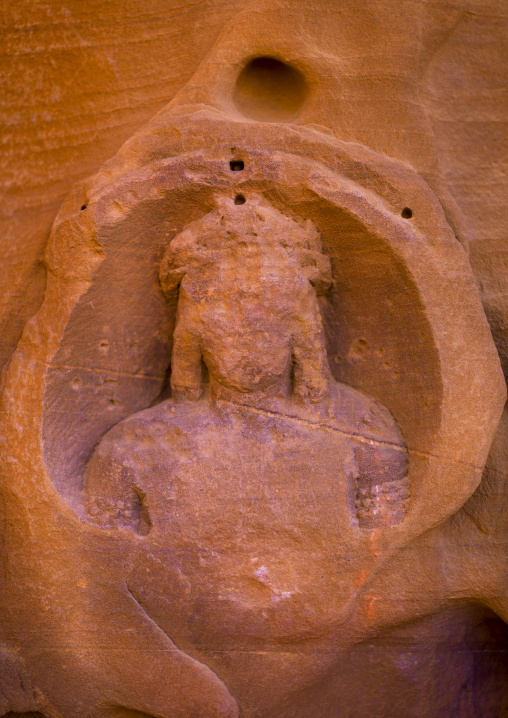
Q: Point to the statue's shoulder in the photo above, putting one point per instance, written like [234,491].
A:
[150,429]
[141,427]
[135,448]
[130,457]
[382,486]
[363,415]
[355,414]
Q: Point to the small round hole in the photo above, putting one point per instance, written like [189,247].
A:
[83,206]
[239,199]
[270,90]
[236,165]
[406,213]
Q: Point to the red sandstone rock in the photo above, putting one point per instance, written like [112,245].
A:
[244,434]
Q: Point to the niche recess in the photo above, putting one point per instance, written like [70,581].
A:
[269,90]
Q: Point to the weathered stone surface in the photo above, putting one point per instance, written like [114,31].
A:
[253,444]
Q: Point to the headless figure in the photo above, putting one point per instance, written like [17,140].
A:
[249,487]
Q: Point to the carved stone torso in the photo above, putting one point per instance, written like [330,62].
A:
[246,513]
[248,498]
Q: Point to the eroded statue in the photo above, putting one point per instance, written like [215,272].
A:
[247,483]
[255,442]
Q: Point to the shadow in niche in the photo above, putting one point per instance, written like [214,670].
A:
[269,90]
[453,664]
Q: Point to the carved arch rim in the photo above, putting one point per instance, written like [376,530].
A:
[403,238]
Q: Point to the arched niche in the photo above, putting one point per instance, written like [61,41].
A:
[114,355]
[387,330]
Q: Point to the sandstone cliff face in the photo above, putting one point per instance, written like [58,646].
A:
[77,82]
[253,459]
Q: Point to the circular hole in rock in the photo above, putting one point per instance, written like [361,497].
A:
[239,199]
[270,90]
[83,206]
[236,165]
[406,213]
